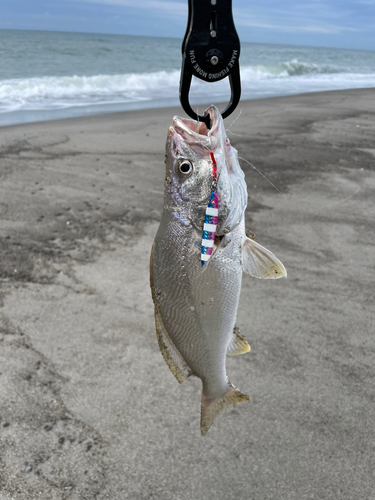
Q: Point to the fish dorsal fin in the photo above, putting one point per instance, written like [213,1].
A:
[237,343]
[210,408]
[260,262]
[172,357]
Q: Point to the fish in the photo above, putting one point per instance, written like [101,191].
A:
[199,254]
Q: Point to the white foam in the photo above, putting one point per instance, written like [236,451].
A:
[66,91]
[61,92]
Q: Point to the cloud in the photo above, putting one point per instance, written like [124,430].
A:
[315,17]
[154,6]
[242,21]
[242,15]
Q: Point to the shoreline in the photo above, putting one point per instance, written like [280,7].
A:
[89,407]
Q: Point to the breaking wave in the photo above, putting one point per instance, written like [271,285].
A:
[297,68]
[66,91]
[49,93]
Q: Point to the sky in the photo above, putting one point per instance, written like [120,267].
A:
[330,23]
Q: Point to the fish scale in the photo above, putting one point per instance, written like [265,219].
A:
[195,323]
[195,277]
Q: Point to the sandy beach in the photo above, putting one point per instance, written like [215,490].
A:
[89,409]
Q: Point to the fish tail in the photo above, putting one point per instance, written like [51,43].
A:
[211,407]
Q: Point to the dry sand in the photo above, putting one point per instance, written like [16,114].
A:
[89,409]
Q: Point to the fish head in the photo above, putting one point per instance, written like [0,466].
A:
[189,172]
[188,169]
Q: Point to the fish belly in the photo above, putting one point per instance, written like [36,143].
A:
[197,305]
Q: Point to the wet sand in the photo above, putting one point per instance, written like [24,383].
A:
[89,409]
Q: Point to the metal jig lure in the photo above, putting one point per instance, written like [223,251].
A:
[210,220]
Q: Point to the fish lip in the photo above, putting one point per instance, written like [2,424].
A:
[215,117]
[190,130]
[195,132]
[171,132]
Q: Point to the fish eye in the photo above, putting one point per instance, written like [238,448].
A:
[185,169]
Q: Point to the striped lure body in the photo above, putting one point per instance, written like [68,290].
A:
[211,218]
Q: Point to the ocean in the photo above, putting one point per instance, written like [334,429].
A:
[47,75]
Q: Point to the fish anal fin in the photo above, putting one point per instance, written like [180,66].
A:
[152,269]
[172,357]
[210,407]
[260,262]
[237,343]
[250,234]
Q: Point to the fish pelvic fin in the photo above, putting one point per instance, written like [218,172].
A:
[211,407]
[260,262]
[237,343]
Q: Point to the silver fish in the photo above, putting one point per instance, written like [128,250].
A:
[196,305]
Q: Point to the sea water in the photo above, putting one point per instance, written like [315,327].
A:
[47,75]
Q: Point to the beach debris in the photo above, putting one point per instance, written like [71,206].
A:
[195,298]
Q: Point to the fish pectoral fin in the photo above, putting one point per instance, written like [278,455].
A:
[237,343]
[210,407]
[260,262]
[172,357]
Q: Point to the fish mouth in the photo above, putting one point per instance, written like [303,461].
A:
[196,133]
